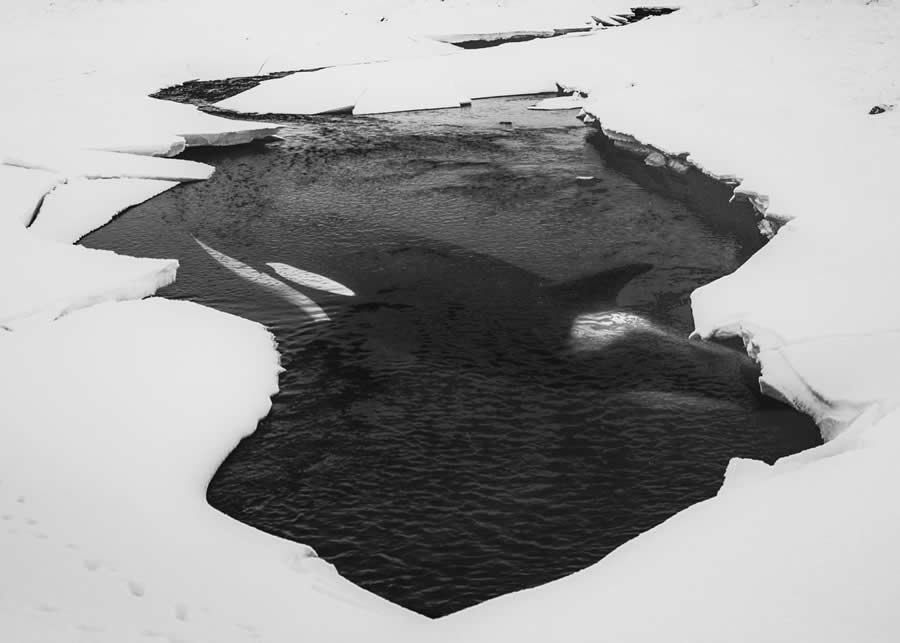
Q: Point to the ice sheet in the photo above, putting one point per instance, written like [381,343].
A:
[80,206]
[132,406]
[41,280]
[21,193]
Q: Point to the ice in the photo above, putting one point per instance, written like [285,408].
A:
[802,539]
[409,85]
[310,279]
[96,403]
[267,282]
[814,533]
[94,164]
[22,192]
[559,102]
[132,406]
[81,205]
[335,89]
[364,89]
[473,20]
[425,83]
[41,280]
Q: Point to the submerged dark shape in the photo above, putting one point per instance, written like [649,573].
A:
[446,302]
[598,288]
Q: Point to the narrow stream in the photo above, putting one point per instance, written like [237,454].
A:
[510,393]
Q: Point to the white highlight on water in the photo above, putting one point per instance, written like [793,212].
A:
[268,282]
[310,279]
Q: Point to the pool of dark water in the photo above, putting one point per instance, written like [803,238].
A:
[510,394]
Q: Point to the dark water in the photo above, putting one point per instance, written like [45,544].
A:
[445,438]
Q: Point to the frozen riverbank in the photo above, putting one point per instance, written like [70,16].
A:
[800,551]
[458,430]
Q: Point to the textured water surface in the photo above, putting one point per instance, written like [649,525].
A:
[510,394]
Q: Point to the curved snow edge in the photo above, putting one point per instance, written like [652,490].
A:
[778,379]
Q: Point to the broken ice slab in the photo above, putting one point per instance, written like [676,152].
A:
[78,207]
[22,191]
[335,89]
[409,85]
[104,165]
[575,101]
[41,280]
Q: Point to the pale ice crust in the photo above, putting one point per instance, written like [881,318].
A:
[100,394]
[79,206]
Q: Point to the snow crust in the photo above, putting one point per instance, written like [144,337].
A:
[776,94]
[101,394]
[22,192]
[427,83]
[41,280]
[573,101]
[79,206]
[105,532]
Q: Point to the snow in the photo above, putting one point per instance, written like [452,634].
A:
[559,102]
[79,206]
[408,85]
[142,402]
[363,89]
[101,394]
[795,556]
[461,20]
[41,280]
[426,83]
[22,192]
[95,164]
[802,550]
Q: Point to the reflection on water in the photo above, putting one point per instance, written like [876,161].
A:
[509,394]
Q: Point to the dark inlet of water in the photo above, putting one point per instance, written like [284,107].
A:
[510,394]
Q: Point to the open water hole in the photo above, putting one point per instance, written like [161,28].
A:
[511,393]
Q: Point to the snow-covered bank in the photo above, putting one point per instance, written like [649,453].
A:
[106,533]
[803,550]
[98,400]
